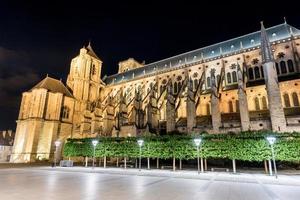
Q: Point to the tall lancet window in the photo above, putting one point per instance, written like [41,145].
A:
[208,82]
[295,99]
[195,84]
[237,106]
[283,67]
[264,103]
[65,112]
[93,69]
[277,68]
[218,80]
[256,102]
[228,78]
[208,109]
[256,72]
[230,107]
[290,66]
[250,73]
[234,77]
[286,100]
[175,88]
[179,86]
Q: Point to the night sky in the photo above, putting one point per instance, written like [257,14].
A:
[37,38]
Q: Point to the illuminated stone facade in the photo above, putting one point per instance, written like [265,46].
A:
[225,87]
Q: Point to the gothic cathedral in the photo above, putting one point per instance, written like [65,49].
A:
[242,84]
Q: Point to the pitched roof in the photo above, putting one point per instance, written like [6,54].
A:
[53,85]
[91,52]
[235,45]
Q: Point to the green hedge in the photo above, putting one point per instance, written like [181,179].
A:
[247,146]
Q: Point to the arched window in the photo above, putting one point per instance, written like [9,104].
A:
[218,80]
[191,83]
[93,69]
[250,72]
[228,78]
[286,100]
[295,99]
[195,84]
[290,66]
[208,81]
[256,102]
[283,67]
[161,88]
[262,71]
[256,72]
[179,86]
[175,88]
[65,112]
[277,68]
[208,109]
[234,78]
[230,107]
[264,103]
[237,106]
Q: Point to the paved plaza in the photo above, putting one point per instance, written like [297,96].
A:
[39,183]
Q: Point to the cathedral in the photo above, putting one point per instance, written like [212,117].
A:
[247,83]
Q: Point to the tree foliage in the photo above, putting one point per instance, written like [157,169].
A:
[247,146]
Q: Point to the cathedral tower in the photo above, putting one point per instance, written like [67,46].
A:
[85,82]
[84,77]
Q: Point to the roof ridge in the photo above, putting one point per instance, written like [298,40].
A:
[91,52]
[47,83]
[202,49]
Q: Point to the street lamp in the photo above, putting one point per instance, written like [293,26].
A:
[140,143]
[94,142]
[271,140]
[198,142]
[56,143]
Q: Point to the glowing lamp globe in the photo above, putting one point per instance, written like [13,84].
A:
[140,142]
[197,141]
[95,142]
[271,139]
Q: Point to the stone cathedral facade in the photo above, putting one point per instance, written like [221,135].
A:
[246,83]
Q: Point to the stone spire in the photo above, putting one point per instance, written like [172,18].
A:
[266,51]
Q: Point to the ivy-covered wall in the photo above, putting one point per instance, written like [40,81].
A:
[247,146]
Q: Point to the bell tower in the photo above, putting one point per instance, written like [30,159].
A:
[84,77]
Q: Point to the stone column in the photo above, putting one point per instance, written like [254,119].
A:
[243,102]
[215,110]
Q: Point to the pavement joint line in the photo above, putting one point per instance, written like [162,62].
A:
[155,182]
[269,192]
[206,185]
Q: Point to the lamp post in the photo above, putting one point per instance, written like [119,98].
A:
[198,142]
[94,142]
[140,143]
[271,140]
[56,143]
